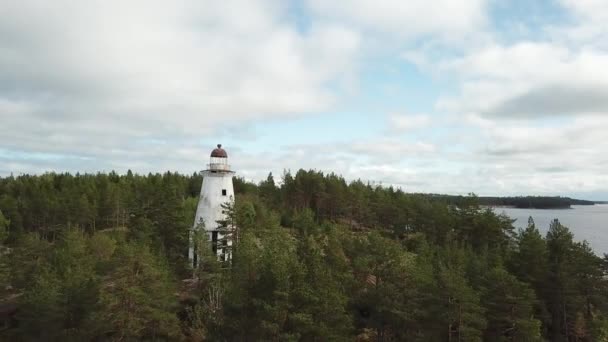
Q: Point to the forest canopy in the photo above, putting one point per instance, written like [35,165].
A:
[104,257]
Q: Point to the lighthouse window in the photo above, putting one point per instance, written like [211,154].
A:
[214,242]
[223,192]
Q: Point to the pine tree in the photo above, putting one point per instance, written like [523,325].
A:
[563,298]
[40,313]
[61,295]
[385,296]
[228,231]
[10,209]
[257,297]
[28,255]
[452,307]
[317,297]
[269,192]
[510,308]
[4,228]
[530,263]
[138,299]
[4,251]
[463,316]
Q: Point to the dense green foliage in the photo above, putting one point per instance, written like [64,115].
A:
[103,257]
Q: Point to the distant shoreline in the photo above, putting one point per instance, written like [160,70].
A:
[514,207]
[520,202]
[557,208]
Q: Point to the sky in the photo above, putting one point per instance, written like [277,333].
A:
[495,97]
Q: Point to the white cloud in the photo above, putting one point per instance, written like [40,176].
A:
[99,74]
[387,150]
[526,156]
[445,18]
[561,73]
[405,122]
[588,9]
[589,27]
[529,79]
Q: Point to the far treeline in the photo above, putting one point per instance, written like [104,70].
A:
[102,257]
[522,202]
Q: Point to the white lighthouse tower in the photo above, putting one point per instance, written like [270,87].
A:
[216,190]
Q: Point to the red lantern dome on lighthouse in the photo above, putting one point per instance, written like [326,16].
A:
[219,152]
[219,160]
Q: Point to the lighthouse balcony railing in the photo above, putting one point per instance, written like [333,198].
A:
[218,167]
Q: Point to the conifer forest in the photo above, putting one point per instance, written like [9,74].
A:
[103,257]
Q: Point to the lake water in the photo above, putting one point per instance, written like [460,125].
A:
[586,222]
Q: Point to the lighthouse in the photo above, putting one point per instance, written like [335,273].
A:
[216,192]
